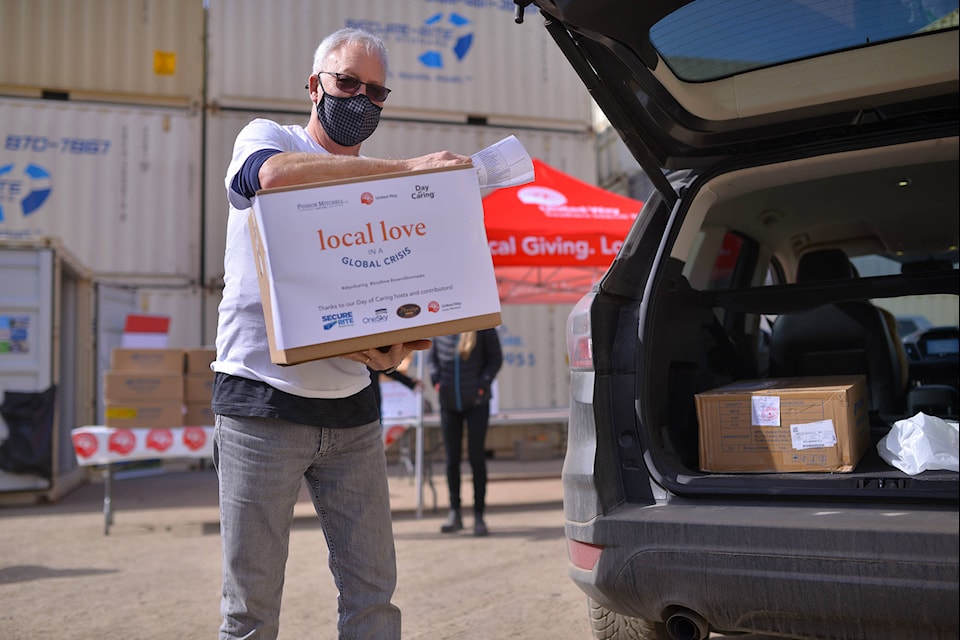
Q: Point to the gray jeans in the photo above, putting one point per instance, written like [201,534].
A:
[260,463]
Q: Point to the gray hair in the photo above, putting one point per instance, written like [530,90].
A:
[371,43]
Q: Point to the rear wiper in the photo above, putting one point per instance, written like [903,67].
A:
[518,12]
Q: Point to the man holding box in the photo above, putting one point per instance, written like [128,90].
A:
[317,420]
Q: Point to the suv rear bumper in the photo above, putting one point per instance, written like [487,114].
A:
[820,570]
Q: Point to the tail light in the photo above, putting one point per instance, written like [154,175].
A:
[583,555]
[579,338]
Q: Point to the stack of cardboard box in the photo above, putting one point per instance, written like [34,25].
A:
[144,388]
[198,386]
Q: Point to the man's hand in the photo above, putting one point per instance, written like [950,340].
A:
[437,160]
[388,360]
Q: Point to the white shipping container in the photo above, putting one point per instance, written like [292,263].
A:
[534,382]
[150,51]
[572,153]
[617,170]
[46,341]
[447,60]
[535,373]
[119,185]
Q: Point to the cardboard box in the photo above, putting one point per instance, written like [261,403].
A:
[155,413]
[198,414]
[198,360]
[129,359]
[785,424]
[198,387]
[142,385]
[355,264]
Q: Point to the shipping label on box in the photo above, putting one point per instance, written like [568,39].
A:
[143,385]
[156,413]
[787,424]
[130,359]
[350,265]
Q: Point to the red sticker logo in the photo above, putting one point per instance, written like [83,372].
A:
[85,444]
[121,441]
[433,306]
[393,434]
[159,439]
[366,197]
[194,438]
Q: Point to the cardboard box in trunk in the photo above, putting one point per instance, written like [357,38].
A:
[784,425]
[356,264]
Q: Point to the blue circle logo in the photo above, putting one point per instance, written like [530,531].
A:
[23,189]
[456,29]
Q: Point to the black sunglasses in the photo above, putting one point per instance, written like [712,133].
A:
[349,84]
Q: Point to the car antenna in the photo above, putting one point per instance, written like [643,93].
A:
[518,11]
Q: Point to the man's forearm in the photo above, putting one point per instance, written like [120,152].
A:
[287,169]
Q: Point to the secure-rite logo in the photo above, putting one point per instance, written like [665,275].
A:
[451,30]
[23,188]
[332,320]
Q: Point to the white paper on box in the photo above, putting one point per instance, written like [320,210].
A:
[373,256]
[813,435]
[765,411]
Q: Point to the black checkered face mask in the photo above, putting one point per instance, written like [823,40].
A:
[348,121]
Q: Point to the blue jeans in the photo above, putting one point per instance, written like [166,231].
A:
[260,463]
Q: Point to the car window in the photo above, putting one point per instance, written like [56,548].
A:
[710,39]
[726,262]
[734,263]
[913,313]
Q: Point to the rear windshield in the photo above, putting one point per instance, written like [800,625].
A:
[710,39]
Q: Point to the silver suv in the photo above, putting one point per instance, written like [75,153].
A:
[804,155]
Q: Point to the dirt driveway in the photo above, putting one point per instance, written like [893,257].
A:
[157,574]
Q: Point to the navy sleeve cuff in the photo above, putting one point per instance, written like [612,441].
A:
[246,182]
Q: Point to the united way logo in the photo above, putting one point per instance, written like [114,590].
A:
[23,189]
[541,196]
[456,32]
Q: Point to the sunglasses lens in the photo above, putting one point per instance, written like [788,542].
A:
[348,84]
[376,92]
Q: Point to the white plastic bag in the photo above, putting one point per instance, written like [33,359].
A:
[922,443]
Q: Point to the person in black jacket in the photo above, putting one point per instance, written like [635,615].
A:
[462,368]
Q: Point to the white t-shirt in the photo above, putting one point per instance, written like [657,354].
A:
[242,348]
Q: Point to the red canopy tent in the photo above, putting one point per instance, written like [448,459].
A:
[552,238]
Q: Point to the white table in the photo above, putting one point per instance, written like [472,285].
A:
[101,445]
[96,445]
